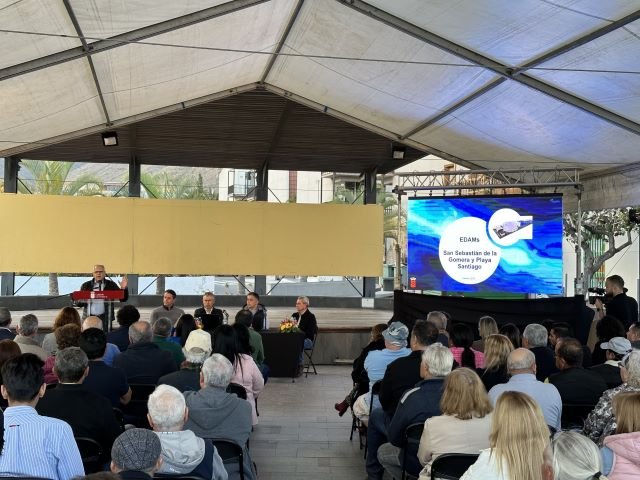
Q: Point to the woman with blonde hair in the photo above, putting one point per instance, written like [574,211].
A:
[496,351]
[620,453]
[66,316]
[465,422]
[518,439]
[486,326]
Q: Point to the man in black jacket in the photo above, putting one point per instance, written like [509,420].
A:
[306,321]
[210,316]
[99,308]
[621,306]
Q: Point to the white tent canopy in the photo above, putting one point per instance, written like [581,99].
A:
[489,84]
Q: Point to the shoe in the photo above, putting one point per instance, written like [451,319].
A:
[341,407]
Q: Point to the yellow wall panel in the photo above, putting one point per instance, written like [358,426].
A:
[70,234]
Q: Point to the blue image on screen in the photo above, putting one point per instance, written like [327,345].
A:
[526,265]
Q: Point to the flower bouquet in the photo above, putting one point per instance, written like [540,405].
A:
[288,325]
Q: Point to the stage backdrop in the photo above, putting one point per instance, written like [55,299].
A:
[148,236]
[407,307]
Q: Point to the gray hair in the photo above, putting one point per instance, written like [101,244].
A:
[208,294]
[527,361]
[71,364]
[166,407]
[536,335]
[632,365]
[439,319]
[28,325]
[438,359]
[162,327]
[5,316]
[304,300]
[140,332]
[91,322]
[195,357]
[575,457]
[217,371]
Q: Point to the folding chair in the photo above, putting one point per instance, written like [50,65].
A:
[136,410]
[375,389]
[412,436]
[451,466]
[91,454]
[231,453]
[308,353]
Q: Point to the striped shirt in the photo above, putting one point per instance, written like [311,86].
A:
[38,446]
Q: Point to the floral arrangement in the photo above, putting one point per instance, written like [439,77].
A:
[288,325]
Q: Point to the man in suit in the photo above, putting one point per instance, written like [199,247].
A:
[99,308]
[306,321]
[210,316]
[5,321]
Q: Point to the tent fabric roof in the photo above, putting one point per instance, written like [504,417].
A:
[488,84]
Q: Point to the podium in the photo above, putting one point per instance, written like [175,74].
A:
[108,297]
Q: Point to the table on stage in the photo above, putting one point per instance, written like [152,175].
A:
[282,352]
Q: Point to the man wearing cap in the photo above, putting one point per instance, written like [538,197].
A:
[616,349]
[168,308]
[136,454]
[5,321]
[395,346]
[196,350]
[575,384]
[99,308]
[183,453]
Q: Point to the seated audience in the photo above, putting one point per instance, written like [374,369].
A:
[184,326]
[5,321]
[107,381]
[403,373]
[243,317]
[33,445]
[395,341]
[196,351]
[416,406]
[560,330]
[465,423]
[88,413]
[66,336]
[574,457]
[27,330]
[460,342]
[66,316]
[496,351]
[245,370]
[522,368]
[182,452]
[161,333]
[439,320]
[616,349]
[144,362]
[633,335]
[126,316]
[112,350]
[8,349]
[486,326]
[606,329]
[136,454]
[575,384]
[601,422]
[518,439]
[535,338]
[214,413]
[620,453]
[358,373]
[512,332]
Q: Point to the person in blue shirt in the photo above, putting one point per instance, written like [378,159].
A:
[33,445]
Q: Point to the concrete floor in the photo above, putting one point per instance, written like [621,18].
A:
[300,435]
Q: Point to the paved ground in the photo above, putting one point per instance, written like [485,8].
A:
[327,317]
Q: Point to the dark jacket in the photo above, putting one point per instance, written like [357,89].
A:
[145,363]
[6,334]
[109,307]
[415,406]
[89,413]
[184,380]
[578,385]
[609,373]
[119,337]
[624,308]
[491,378]
[545,362]
[307,324]
[210,321]
[107,381]
[259,318]
[400,375]
[359,374]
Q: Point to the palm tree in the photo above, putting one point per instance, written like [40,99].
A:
[51,178]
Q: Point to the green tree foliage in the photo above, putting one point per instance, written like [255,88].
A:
[610,225]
